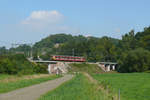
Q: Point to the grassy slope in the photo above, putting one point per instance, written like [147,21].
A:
[6,86]
[135,86]
[4,76]
[89,68]
[79,88]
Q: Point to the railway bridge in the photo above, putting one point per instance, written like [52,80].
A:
[107,66]
[61,67]
[56,67]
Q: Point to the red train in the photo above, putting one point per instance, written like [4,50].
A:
[68,58]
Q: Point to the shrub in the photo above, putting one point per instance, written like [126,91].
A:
[18,64]
[134,61]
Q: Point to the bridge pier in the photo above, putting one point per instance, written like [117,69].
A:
[54,67]
[113,67]
[108,66]
[49,69]
[57,68]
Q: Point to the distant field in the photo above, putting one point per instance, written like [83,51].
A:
[134,86]
[79,88]
[12,82]
[83,67]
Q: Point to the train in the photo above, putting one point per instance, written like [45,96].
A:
[68,58]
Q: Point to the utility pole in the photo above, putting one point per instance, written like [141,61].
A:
[31,53]
[73,53]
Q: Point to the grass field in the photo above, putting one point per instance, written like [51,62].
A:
[83,67]
[135,86]
[12,82]
[79,88]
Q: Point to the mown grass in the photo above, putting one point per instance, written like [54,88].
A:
[79,88]
[83,67]
[133,86]
[10,82]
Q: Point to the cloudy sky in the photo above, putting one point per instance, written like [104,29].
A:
[28,21]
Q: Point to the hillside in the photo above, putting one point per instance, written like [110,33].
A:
[131,48]
[83,67]
[51,40]
[62,44]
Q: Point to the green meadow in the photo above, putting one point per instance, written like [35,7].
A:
[132,86]
[79,88]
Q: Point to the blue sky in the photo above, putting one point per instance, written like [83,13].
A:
[28,21]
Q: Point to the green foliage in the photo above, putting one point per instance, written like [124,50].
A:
[40,68]
[134,61]
[144,38]
[134,86]
[129,41]
[94,49]
[51,40]
[3,51]
[18,64]
[105,50]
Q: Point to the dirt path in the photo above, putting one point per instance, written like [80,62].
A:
[35,91]
[101,87]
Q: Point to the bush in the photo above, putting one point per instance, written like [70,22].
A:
[134,61]
[18,64]
[40,69]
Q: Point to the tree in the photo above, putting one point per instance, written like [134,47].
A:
[144,38]
[105,50]
[134,61]
[3,50]
[128,42]
[145,42]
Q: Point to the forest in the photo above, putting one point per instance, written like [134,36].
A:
[131,52]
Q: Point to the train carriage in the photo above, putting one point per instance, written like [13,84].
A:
[68,58]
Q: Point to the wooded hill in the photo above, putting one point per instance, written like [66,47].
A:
[132,52]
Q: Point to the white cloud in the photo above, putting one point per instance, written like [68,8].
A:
[46,22]
[43,18]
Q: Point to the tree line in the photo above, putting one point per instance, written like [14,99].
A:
[18,64]
[132,52]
